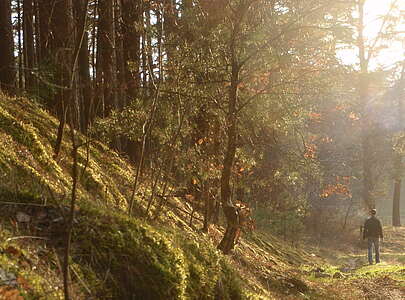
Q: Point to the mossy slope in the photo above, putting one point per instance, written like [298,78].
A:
[113,256]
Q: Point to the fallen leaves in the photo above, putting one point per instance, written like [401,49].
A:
[9,293]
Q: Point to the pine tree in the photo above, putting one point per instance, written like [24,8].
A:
[7,65]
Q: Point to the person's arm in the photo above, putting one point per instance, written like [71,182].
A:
[380,228]
[364,230]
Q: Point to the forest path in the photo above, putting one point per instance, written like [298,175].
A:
[354,278]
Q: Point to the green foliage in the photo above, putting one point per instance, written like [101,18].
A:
[288,223]
[232,285]
[204,267]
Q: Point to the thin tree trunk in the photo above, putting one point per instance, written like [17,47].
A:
[20,53]
[396,216]
[169,27]
[37,57]
[78,39]
[105,49]
[7,67]
[147,128]
[396,209]
[62,47]
[208,205]
[131,16]
[45,49]
[70,219]
[120,63]
[45,17]
[363,97]
[169,162]
[228,241]
[149,51]
[28,24]
[121,92]
[144,59]
[86,92]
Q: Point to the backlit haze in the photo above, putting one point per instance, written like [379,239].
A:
[394,53]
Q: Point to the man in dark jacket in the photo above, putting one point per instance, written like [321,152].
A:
[373,232]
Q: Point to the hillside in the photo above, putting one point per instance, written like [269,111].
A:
[166,257]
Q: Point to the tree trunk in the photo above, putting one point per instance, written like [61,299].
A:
[105,48]
[396,209]
[62,51]
[228,241]
[70,218]
[45,10]
[131,16]
[209,205]
[28,25]
[7,67]
[169,27]
[85,87]
[363,88]
[149,50]
[19,45]
[44,50]
[396,216]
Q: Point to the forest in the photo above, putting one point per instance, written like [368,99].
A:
[207,134]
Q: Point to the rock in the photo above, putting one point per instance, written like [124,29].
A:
[345,269]
[7,278]
[23,217]
[318,270]
[60,219]
[41,215]
[298,284]
[321,275]
[338,275]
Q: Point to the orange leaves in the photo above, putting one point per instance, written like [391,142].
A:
[240,170]
[341,187]
[22,282]
[214,167]
[327,140]
[245,216]
[315,117]
[344,179]
[10,250]
[340,107]
[262,79]
[353,116]
[9,293]
[310,151]
[189,197]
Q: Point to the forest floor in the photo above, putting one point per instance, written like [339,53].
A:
[346,273]
[354,278]
[337,271]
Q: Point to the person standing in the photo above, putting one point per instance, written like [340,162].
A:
[373,232]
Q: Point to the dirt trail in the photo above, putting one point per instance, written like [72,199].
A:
[385,281]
